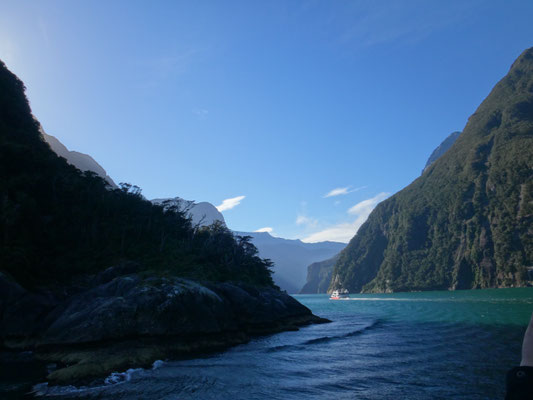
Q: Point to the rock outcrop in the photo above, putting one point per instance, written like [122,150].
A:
[123,320]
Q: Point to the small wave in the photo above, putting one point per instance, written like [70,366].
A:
[373,325]
[321,340]
[349,334]
[324,339]
[281,347]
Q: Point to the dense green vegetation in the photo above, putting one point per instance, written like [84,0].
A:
[59,225]
[467,222]
[319,276]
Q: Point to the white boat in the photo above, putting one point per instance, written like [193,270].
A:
[339,294]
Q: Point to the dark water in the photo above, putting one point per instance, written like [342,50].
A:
[429,345]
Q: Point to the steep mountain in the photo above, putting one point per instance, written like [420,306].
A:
[291,257]
[108,279]
[467,222]
[319,276]
[83,162]
[441,149]
[202,213]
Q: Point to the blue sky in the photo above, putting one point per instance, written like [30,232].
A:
[273,104]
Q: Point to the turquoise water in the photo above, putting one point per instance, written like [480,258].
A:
[427,345]
[504,307]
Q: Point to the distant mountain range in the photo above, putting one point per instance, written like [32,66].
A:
[291,257]
[467,222]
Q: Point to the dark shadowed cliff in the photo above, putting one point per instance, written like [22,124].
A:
[467,222]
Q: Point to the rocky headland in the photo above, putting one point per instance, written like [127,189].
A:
[122,319]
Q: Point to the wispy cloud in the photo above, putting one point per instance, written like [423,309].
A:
[228,204]
[305,220]
[268,229]
[201,113]
[337,233]
[344,231]
[366,24]
[342,191]
[366,206]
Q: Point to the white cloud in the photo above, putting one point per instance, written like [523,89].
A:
[228,204]
[305,220]
[366,206]
[337,233]
[344,231]
[265,229]
[342,191]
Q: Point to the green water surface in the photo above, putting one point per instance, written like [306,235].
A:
[511,307]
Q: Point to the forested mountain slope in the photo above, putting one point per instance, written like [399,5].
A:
[83,162]
[58,224]
[467,222]
[319,276]
[441,149]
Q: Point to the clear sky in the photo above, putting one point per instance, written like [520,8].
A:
[270,104]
